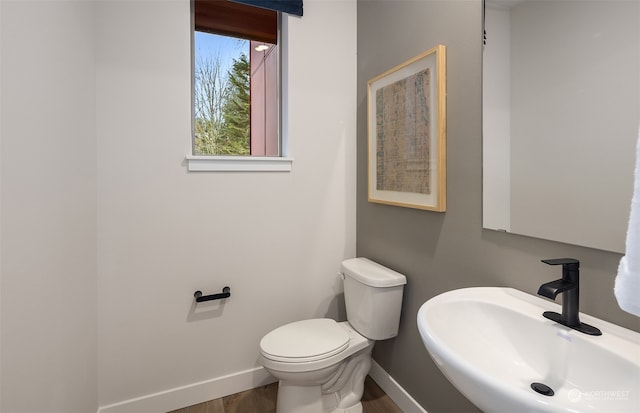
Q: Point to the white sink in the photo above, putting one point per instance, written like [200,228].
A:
[493,343]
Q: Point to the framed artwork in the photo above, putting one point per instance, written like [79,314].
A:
[407,133]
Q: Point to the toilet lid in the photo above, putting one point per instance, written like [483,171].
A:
[305,340]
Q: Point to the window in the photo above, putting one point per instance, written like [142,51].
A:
[235,81]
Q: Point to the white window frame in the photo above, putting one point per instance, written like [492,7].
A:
[282,163]
[199,163]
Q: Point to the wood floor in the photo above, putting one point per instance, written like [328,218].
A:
[263,400]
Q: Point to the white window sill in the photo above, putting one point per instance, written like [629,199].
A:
[238,164]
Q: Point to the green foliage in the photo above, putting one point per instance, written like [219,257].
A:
[236,110]
[222,106]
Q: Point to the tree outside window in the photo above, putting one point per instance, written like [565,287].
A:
[221,97]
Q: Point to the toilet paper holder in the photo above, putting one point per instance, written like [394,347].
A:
[226,292]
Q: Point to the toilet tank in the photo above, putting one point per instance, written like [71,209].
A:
[373,297]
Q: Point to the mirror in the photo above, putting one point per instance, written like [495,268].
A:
[561,111]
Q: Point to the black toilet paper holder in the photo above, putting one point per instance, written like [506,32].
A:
[226,292]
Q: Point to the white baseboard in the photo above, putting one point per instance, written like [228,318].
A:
[191,394]
[391,387]
[188,395]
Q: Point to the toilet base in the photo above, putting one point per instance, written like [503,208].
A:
[294,398]
[341,393]
[353,409]
[307,399]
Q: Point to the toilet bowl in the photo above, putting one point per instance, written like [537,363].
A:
[318,363]
[321,364]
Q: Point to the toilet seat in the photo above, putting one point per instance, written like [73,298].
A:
[305,341]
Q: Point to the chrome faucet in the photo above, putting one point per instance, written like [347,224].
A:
[569,286]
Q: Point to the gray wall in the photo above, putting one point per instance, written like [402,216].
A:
[444,251]
[571,144]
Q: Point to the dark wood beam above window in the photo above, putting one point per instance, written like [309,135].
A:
[237,20]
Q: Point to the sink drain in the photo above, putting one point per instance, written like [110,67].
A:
[542,389]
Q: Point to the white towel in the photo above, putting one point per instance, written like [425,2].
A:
[627,285]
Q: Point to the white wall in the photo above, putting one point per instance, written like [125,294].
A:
[48,221]
[95,128]
[277,239]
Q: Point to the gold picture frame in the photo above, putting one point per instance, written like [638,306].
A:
[406,118]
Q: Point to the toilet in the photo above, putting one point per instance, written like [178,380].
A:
[321,364]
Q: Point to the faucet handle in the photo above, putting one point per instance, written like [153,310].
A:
[570,268]
[562,261]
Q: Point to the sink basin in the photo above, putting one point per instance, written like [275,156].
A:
[494,343]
